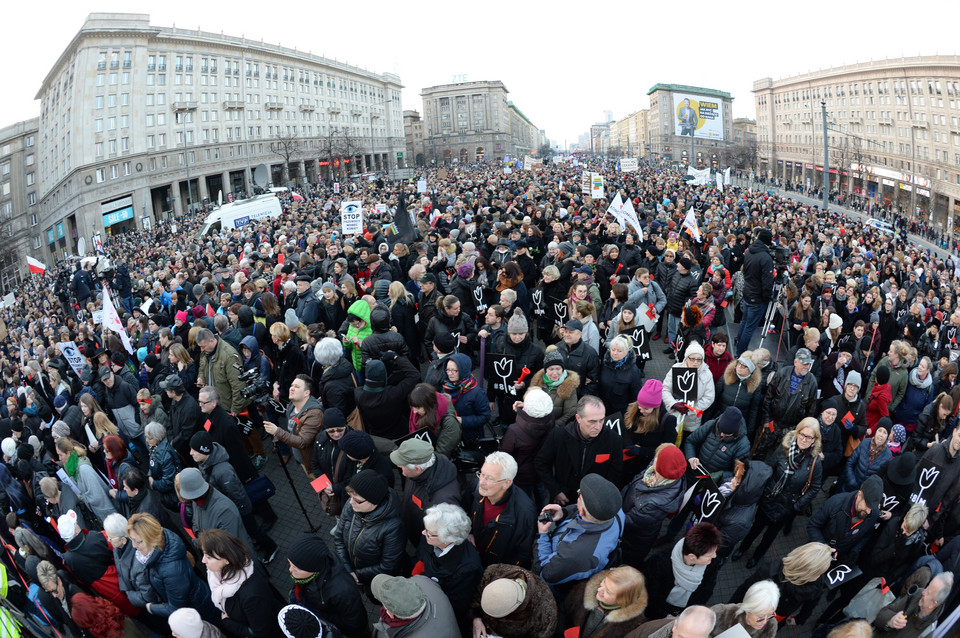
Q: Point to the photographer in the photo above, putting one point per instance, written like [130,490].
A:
[757,287]
[304,421]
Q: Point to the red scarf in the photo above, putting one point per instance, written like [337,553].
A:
[390,621]
[442,402]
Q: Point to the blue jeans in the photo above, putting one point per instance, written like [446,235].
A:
[673,323]
[752,316]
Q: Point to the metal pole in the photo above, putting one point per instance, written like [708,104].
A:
[692,161]
[826,158]
[373,154]
[186,159]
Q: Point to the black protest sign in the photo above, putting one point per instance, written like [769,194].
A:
[641,344]
[539,307]
[614,422]
[927,474]
[684,382]
[557,310]
[678,345]
[703,501]
[423,434]
[842,574]
[502,373]
[484,298]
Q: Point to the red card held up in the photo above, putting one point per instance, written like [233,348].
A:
[573,632]
[320,483]
[602,458]
[651,312]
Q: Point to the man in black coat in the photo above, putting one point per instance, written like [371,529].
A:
[846,521]
[82,285]
[383,338]
[757,287]
[504,519]
[580,357]
[382,399]
[185,417]
[581,447]
[683,286]
[431,479]
[223,430]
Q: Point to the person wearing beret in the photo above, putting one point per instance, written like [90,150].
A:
[321,585]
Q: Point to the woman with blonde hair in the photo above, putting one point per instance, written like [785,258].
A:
[610,604]
[800,576]
[796,480]
[183,364]
[403,312]
[93,490]
[289,361]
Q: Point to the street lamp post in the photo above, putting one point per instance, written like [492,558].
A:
[826,158]
[186,155]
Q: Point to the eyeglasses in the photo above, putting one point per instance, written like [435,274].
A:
[429,535]
[483,477]
[695,359]
[356,499]
[805,437]
[763,618]
[137,542]
[336,430]
[204,402]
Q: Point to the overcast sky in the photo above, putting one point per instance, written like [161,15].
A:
[564,63]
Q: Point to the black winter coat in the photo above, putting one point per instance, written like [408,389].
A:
[757,274]
[790,496]
[716,454]
[337,385]
[527,353]
[383,338]
[619,385]
[437,484]
[585,361]
[645,509]
[185,418]
[739,510]
[522,441]
[792,597]
[680,289]
[372,543]
[252,610]
[457,572]
[333,596]
[831,524]
[509,537]
[402,316]
[565,458]
[385,413]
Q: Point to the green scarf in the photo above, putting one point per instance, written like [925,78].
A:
[71,465]
[607,608]
[553,384]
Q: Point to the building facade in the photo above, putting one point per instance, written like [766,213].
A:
[471,122]
[744,131]
[629,135]
[139,122]
[689,119]
[413,134]
[19,213]
[892,129]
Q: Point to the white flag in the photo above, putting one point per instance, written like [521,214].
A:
[112,321]
[615,208]
[629,214]
[72,354]
[719,182]
[726,176]
[690,221]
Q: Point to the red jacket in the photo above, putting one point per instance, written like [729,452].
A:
[878,405]
[717,365]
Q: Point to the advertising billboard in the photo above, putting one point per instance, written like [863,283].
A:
[697,113]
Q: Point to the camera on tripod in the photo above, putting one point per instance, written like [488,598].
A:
[255,387]
[780,255]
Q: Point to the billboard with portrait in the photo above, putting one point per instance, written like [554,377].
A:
[700,114]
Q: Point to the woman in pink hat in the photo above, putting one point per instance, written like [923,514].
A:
[646,425]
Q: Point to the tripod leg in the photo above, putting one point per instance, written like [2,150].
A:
[293,488]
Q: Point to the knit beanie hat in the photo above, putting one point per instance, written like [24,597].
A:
[517,323]
[333,418]
[309,553]
[9,447]
[186,623]
[601,498]
[502,597]
[651,394]
[67,526]
[370,486]
[290,319]
[854,378]
[886,424]
[465,270]
[59,401]
[202,442]
[553,358]
[151,361]
[375,379]
[537,403]
[357,445]
[693,349]
[883,374]
[670,463]
[729,421]
[299,622]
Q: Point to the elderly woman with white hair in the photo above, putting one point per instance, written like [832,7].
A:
[164,463]
[339,379]
[444,556]
[756,614]
[620,378]
[132,573]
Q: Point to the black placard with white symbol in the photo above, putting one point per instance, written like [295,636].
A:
[502,373]
[684,384]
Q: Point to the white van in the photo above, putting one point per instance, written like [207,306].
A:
[879,224]
[240,213]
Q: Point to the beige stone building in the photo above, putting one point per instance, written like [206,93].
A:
[413,134]
[744,131]
[670,139]
[471,122]
[19,217]
[130,112]
[628,136]
[892,128]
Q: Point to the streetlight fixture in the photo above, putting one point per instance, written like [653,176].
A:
[826,158]
[182,112]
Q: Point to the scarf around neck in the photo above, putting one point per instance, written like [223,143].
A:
[554,384]
[71,465]
[221,590]
[686,578]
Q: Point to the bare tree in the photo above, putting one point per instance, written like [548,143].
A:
[337,145]
[744,155]
[287,146]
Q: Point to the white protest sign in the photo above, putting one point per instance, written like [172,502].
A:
[8,300]
[97,316]
[629,164]
[596,185]
[351,217]
[380,208]
[507,170]
[422,186]
[336,187]
[72,354]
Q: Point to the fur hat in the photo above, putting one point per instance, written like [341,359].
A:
[517,323]
[537,403]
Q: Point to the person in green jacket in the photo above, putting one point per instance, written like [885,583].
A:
[358,315]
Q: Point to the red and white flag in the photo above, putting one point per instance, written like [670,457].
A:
[112,321]
[297,197]
[35,266]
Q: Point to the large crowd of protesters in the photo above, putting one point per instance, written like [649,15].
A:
[469,385]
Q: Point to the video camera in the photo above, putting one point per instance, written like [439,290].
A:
[255,388]
[780,255]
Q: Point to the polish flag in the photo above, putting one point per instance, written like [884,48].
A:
[297,197]
[36,266]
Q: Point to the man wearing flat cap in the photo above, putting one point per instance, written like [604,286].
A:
[578,540]
[416,604]
[431,479]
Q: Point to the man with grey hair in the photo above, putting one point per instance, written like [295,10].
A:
[695,621]
[503,517]
[431,479]
[448,558]
[583,446]
[910,616]
[223,429]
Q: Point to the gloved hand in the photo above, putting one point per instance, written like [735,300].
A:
[681,407]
